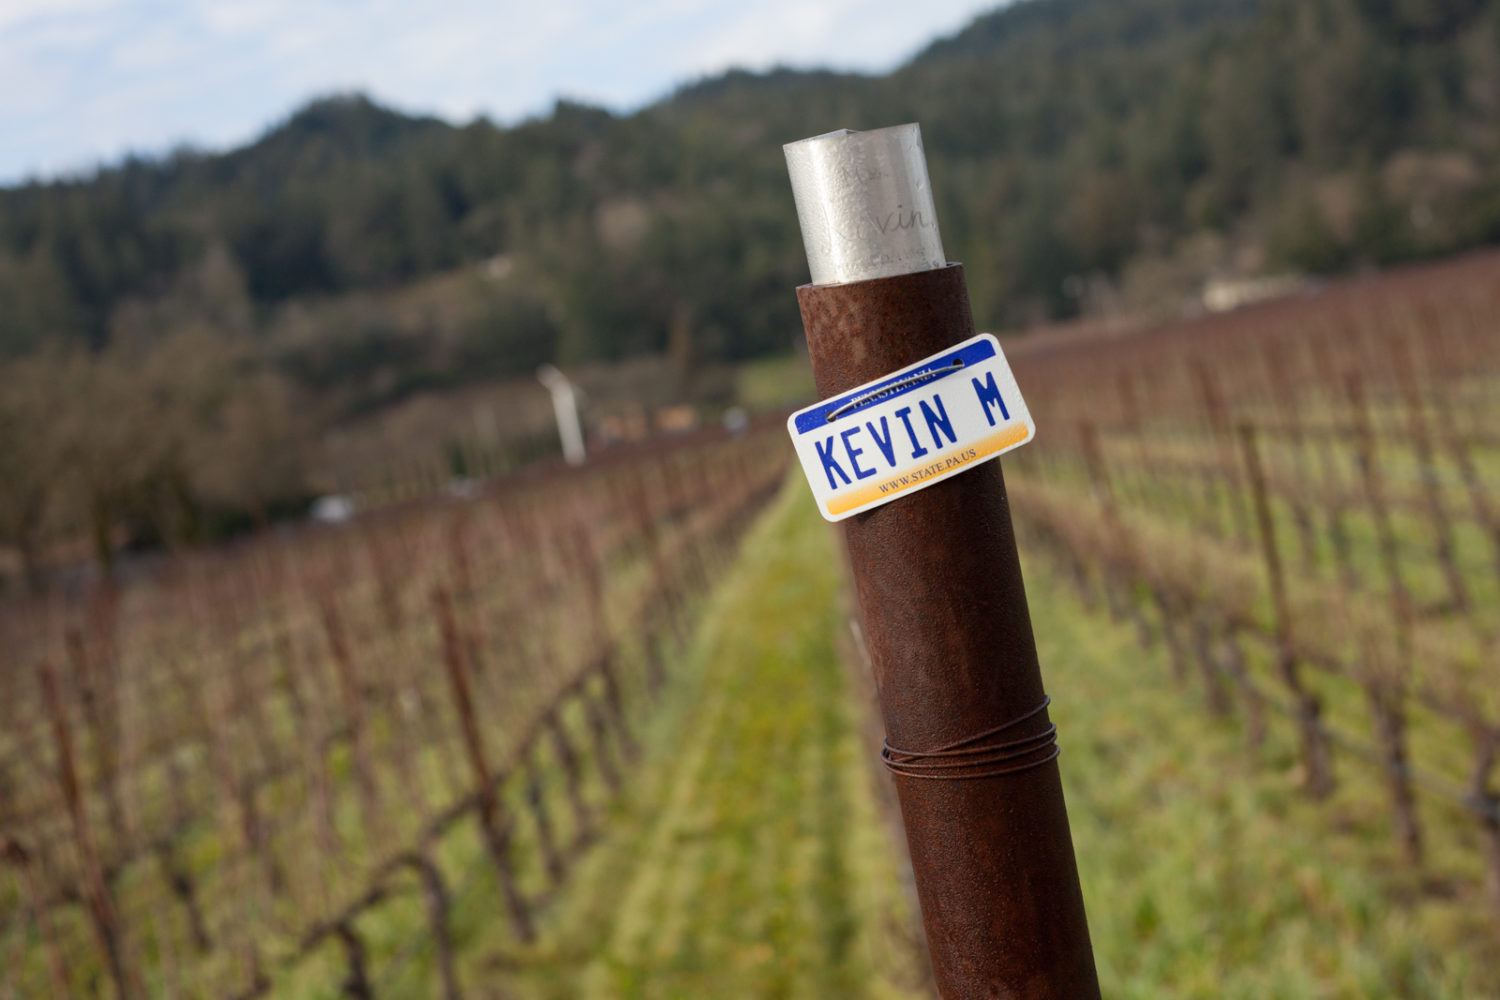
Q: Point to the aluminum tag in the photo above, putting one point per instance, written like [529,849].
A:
[910,429]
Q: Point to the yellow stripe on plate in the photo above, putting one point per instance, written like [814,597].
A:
[892,486]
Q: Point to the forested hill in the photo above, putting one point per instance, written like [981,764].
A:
[1084,152]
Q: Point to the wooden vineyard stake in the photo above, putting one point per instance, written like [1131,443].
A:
[572,774]
[1286,400]
[493,824]
[1383,673]
[1315,755]
[98,898]
[352,695]
[1228,462]
[536,801]
[438,903]
[1432,490]
[1332,485]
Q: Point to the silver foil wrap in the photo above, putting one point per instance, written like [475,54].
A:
[865,204]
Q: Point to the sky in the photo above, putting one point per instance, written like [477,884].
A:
[84,82]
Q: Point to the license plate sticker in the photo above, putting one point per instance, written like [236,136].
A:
[906,431]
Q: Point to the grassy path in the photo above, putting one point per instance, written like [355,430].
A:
[749,861]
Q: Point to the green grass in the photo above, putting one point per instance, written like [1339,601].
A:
[1208,874]
[750,860]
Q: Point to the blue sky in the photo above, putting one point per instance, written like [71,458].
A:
[86,81]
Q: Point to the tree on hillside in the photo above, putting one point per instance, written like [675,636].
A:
[1067,139]
[31,460]
[142,442]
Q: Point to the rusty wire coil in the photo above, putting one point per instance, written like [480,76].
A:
[976,756]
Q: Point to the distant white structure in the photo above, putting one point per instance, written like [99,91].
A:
[736,420]
[1224,294]
[565,406]
[463,488]
[332,509]
[498,267]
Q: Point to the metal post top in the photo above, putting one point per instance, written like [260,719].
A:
[865,204]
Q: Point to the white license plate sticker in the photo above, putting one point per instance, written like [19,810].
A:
[910,429]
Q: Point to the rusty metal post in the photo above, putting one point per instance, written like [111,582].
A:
[942,601]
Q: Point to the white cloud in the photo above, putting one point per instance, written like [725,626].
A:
[82,80]
[244,16]
[14,12]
